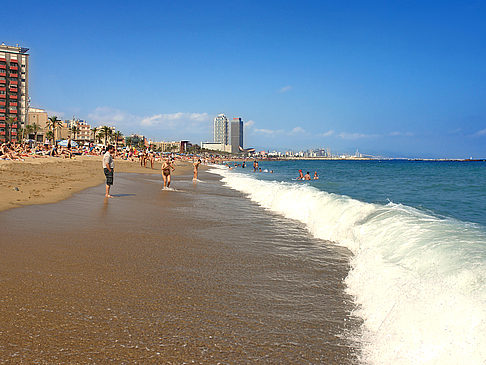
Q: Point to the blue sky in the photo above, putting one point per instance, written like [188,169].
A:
[399,79]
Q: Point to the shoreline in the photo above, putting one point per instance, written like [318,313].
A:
[197,274]
[50,180]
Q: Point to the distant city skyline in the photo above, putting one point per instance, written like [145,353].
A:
[389,79]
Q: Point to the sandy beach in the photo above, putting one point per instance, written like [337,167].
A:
[48,180]
[198,274]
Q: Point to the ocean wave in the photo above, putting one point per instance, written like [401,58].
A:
[418,279]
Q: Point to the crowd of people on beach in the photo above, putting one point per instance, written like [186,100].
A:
[21,151]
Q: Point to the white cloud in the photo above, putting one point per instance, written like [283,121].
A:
[353,136]
[52,113]
[112,116]
[326,134]
[268,131]
[401,134]
[249,124]
[170,121]
[297,130]
[175,120]
[285,89]
[482,132]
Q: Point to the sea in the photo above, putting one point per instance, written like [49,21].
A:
[416,233]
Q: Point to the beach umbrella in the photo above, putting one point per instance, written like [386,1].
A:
[64,143]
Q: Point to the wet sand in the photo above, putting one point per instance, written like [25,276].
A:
[48,180]
[199,275]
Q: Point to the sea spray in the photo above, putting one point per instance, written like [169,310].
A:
[419,280]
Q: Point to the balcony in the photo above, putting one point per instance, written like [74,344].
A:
[2,133]
[14,82]
[12,96]
[3,81]
[2,110]
[13,133]
[14,61]
[3,73]
[13,68]
[14,126]
[12,90]
[13,75]
[13,104]
[3,59]
[3,96]
[3,118]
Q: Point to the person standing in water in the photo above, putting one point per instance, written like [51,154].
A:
[316,177]
[301,175]
[108,168]
[307,176]
[196,166]
[166,167]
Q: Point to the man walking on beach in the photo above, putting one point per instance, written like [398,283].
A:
[108,167]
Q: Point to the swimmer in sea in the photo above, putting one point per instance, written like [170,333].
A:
[196,166]
[316,177]
[166,167]
[307,176]
[301,175]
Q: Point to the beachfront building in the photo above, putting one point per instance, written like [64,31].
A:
[213,146]
[236,135]
[79,130]
[173,146]
[38,119]
[83,131]
[14,91]
[221,129]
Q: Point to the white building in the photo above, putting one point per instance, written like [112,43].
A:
[221,134]
[216,146]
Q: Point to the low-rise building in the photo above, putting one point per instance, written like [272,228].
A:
[215,146]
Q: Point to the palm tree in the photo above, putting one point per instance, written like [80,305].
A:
[94,130]
[49,135]
[20,133]
[35,129]
[29,129]
[74,131]
[128,141]
[118,135]
[9,122]
[106,132]
[53,123]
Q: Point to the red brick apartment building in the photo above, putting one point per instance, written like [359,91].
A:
[14,91]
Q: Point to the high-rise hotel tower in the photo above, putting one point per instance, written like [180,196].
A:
[236,135]
[221,134]
[14,91]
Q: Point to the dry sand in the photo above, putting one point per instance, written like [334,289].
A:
[48,180]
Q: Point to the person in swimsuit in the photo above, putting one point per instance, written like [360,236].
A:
[301,175]
[307,176]
[316,177]
[196,166]
[166,167]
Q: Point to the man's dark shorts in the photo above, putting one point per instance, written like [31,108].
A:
[109,176]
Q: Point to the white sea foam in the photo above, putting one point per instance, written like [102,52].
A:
[419,280]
